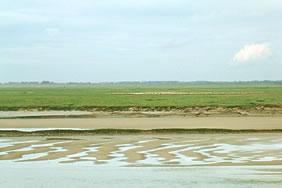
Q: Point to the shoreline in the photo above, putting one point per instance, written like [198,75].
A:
[136,112]
[61,123]
[62,134]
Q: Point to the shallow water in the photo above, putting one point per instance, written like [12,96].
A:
[216,160]
[140,150]
[50,175]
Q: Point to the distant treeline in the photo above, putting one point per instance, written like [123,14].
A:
[256,82]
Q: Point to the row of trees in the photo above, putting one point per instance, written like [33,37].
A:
[149,82]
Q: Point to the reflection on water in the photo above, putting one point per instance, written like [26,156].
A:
[236,149]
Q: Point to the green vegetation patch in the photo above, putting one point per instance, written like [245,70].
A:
[140,95]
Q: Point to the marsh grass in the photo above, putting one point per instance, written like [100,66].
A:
[151,97]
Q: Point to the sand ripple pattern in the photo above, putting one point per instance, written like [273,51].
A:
[229,149]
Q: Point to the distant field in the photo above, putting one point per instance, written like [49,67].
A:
[119,96]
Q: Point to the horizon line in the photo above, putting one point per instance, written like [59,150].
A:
[46,82]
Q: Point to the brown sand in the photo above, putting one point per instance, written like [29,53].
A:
[235,123]
[196,147]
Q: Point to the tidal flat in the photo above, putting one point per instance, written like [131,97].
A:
[166,160]
[147,149]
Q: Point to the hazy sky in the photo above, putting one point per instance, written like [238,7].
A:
[129,40]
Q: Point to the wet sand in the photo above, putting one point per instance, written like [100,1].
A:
[202,160]
[148,150]
[233,123]
[167,160]
[141,160]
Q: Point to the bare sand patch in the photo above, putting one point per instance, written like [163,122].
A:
[35,113]
[234,123]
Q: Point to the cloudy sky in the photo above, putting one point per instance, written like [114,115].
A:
[129,40]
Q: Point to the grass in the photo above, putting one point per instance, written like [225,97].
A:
[121,96]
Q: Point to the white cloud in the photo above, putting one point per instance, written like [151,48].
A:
[252,52]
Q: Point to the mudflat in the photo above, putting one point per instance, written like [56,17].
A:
[147,150]
[232,123]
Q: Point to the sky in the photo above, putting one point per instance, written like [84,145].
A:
[133,40]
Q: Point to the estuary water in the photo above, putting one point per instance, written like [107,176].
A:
[180,160]
[50,175]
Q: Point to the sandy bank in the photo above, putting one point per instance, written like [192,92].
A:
[46,114]
[234,123]
[142,112]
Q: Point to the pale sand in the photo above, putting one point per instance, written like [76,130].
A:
[50,113]
[234,123]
